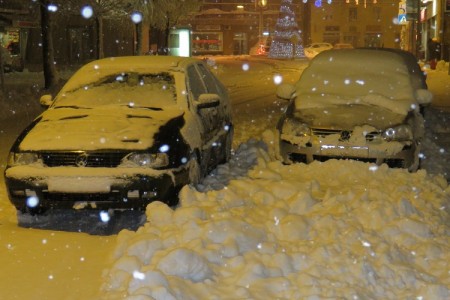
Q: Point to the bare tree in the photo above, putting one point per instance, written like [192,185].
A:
[51,77]
[164,14]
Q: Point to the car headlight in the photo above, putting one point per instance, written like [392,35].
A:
[398,133]
[22,158]
[295,127]
[149,160]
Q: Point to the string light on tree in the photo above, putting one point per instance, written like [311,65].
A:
[287,42]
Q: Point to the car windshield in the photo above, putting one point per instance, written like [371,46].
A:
[127,89]
[333,78]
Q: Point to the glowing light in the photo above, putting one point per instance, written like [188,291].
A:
[52,8]
[32,201]
[245,67]
[104,216]
[136,17]
[138,275]
[87,12]
[277,79]
[164,148]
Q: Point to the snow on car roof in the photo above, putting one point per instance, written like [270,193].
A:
[349,76]
[139,64]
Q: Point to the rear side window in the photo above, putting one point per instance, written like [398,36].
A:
[212,84]
[195,83]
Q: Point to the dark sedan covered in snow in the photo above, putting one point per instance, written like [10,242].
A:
[121,133]
[361,104]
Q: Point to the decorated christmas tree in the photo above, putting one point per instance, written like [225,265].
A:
[286,41]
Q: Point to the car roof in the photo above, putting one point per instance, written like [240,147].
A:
[139,64]
[411,63]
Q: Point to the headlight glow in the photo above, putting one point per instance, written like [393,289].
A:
[148,160]
[398,133]
[293,126]
[22,158]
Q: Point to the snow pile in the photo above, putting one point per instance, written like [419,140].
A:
[340,229]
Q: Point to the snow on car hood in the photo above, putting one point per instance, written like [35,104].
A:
[100,128]
[347,116]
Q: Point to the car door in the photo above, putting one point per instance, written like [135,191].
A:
[209,116]
[214,86]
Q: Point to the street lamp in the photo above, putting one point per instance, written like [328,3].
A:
[262,4]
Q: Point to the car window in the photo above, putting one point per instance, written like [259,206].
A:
[212,84]
[130,89]
[195,82]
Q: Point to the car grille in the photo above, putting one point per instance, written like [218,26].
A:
[83,159]
[370,136]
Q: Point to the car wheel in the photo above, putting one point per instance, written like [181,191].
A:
[33,211]
[415,165]
[195,171]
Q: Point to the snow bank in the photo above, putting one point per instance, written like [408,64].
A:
[340,229]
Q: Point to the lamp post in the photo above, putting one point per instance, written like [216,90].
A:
[261,5]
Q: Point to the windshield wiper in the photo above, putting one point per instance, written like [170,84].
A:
[71,106]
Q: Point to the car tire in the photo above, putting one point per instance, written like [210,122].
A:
[195,171]
[415,165]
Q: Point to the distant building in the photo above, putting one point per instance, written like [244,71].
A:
[74,37]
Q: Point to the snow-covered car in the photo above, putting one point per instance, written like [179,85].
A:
[315,48]
[353,104]
[121,133]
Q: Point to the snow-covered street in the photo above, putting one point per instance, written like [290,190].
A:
[255,228]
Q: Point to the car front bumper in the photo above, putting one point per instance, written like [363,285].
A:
[92,188]
[405,157]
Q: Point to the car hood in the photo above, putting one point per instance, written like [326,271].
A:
[99,128]
[346,117]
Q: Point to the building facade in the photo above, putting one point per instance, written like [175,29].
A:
[231,27]
[227,27]
[75,38]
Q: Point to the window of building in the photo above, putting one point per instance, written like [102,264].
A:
[207,42]
[353,14]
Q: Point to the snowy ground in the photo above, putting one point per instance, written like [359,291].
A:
[257,229]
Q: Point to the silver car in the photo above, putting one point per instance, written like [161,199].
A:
[353,104]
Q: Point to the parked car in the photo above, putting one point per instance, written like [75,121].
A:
[353,104]
[315,48]
[342,46]
[121,133]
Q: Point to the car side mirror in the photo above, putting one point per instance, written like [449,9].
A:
[46,100]
[208,100]
[285,91]
[423,96]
